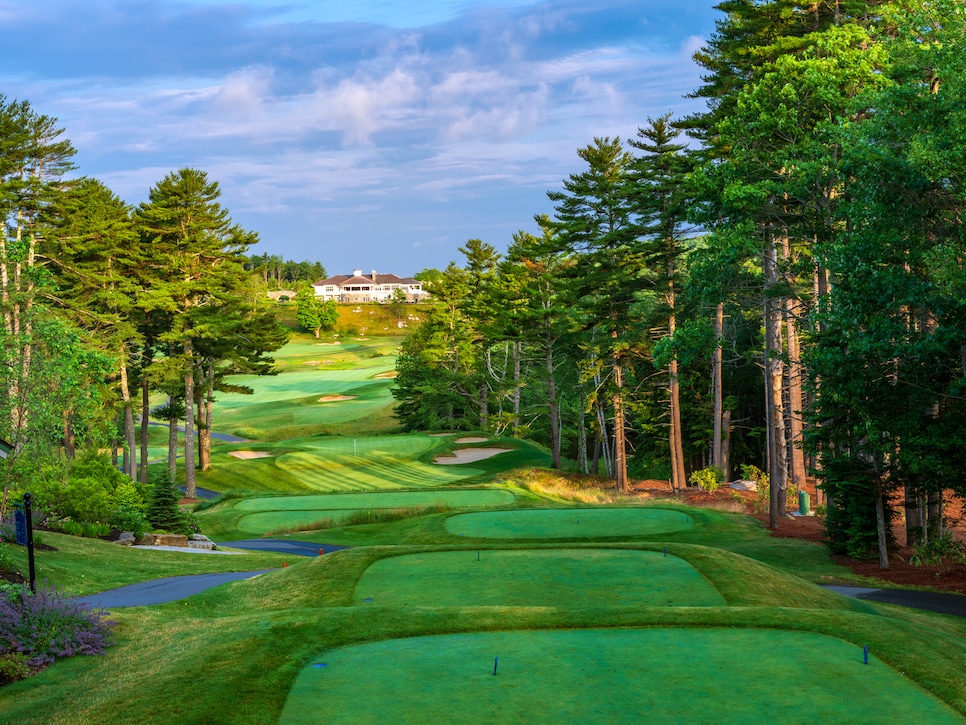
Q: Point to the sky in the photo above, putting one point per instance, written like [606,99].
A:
[372,134]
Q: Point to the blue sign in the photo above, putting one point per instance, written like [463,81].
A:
[20,523]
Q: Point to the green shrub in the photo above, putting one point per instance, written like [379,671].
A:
[762,492]
[70,527]
[96,530]
[130,519]
[13,667]
[162,510]
[128,495]
[6,559]
[708,479]
[941,551]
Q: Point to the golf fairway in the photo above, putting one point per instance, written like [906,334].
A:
[568,523]
[660,675]
[535,578]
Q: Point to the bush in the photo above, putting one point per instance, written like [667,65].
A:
[6,559]
[762,491]
[941,551]
[708,479]
[50,625]
[96,530]
[13,667]
[131,519]
[163,512]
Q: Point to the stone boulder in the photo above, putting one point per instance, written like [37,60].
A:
[163,540]
[200,541]
[125,539]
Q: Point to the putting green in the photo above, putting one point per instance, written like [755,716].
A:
[536,578]
[567,523]
[274,512]
[659,675]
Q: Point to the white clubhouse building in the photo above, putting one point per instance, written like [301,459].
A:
[374,287]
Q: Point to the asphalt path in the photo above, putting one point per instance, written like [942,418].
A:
[283,546]
[167,589]
[940,602]
[173,588]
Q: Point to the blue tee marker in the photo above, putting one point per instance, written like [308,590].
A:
[496,661]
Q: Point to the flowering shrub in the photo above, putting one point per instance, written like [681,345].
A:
[49,624]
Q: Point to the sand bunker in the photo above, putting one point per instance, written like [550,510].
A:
[335,398]
[472,440]
[382,376]
[470,455]
[245,455]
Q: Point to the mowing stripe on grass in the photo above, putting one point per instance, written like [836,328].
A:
[456,499]
[568,523]
[535,578]
[660,675]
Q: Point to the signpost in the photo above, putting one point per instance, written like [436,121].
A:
[25,536]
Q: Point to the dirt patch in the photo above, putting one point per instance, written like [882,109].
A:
[470,455]
[472,440]
[335,398]
[245,455]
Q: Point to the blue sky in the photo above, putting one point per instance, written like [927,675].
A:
[373,133]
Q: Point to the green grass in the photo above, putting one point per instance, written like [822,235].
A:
[244,652]
[261,515]
[535,578]
[657,675]
[569,523]
[83,566]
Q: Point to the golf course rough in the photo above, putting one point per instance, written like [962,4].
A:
[269,513]
[536,578]
[727,676]
[569,523]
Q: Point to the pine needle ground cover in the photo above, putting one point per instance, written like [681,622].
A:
[270,513]
[660,675]
[535,578]
[568,523]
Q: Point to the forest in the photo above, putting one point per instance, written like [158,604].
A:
[777,281]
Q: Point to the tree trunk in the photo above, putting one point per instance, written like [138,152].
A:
[516,386]
[880,524]
[552,407]
[484,404]
[795,375]
[145,420]
[130,457]
[582,464]
[620,455]
[726,445]
[773,389]
[172,444]
[914,527]
[190,484]
[717,456]
[678,476]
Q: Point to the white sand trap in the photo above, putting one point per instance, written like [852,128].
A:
[245,455]
[335,398]
[382,376]
[470,455]
[329,343]
[472,440]
[362,339]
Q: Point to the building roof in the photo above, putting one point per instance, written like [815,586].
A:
[347,279]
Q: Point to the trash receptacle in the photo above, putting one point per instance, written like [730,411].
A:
[804,503]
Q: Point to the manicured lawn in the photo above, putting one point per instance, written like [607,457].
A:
[535,578]
[568,523]
[261,515]
[659,675]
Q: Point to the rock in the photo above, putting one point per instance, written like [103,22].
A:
[163,540]
[206,545]
[125,542]
[126,536]
[199,537]
[744,485]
